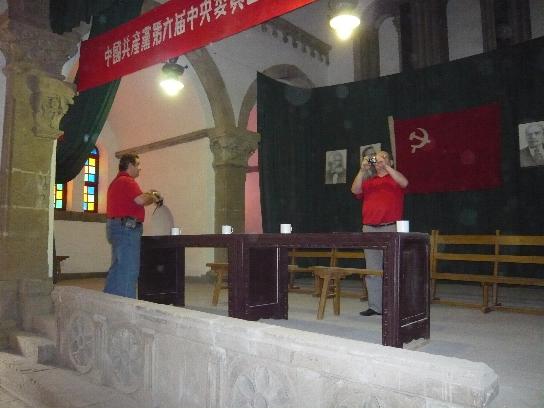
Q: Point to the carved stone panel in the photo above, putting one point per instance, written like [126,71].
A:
[81,342]
[126,359]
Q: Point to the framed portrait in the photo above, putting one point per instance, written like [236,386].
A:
[531,144]
[335,166]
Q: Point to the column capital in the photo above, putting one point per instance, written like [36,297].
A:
[232,146]
[22,43]
[48,98]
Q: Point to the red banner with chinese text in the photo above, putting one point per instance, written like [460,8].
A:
[170,30]
[452,151]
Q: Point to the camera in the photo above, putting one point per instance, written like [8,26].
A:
[372,160]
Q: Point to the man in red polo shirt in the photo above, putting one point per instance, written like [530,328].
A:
[126,213]
[381,188]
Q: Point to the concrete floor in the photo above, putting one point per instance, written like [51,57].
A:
[512,344]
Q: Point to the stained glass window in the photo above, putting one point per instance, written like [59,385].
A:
[60,196]
[90,187]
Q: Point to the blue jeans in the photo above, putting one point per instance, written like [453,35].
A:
[125,258]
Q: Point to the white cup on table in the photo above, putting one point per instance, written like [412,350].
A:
[226,229]
[403,226]
[175,231]
[286,228]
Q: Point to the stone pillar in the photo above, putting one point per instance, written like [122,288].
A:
[510,26]
[487,10]
[429,32]
[366,54]
[231,149]
[36,100]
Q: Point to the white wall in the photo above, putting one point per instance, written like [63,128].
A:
[86,245]
[537,17]
[185,177]
[464,28]
[389,48]
[240,57]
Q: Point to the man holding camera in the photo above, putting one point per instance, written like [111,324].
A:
[382,193]
[126,213]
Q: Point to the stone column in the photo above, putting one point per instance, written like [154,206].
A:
[512,27]
[366,54]
[36,100]
[231,149]
[487,11]
[429,32]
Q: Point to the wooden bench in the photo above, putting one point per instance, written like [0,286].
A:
[57,267]
[331,277]
[326,280]
[221,270]
[297,255]
[489,250]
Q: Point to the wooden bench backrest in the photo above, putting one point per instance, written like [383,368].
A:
[296,254]
[334,255]
[495,243]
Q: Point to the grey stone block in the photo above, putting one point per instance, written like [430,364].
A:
[46,325]
[35,348]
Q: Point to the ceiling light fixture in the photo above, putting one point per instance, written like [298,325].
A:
[171,77]
[344,17]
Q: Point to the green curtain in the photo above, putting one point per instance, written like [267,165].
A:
[84,120]
[297,132]
[64,15]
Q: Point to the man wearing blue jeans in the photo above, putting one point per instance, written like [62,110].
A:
[381,188]
[125,212]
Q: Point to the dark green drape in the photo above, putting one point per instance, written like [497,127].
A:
[64,15]
[84,120]
[297,131]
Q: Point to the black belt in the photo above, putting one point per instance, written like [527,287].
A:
[125,219]
[385,224]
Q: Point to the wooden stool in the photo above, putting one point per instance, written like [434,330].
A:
[221,270]
[330,287]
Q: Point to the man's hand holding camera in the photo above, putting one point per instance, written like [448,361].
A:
[157,197]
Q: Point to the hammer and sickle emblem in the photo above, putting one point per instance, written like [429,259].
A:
[423,140]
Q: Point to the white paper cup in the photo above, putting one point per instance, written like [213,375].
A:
[175,231]
[286,228]
[226,229]
[403,226]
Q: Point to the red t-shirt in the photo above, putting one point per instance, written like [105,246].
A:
[121,194]
[383,200]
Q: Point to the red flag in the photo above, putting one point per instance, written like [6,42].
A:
[452,151]
[170,30]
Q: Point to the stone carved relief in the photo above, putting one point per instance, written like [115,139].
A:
[50,100]
[260,387]
[233,147]
[349,395]
[126,356]
[81,342]
[359,400]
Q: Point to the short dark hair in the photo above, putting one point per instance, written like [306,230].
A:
[126,159]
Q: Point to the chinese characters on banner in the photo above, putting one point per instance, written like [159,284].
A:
[170,30]
[450,151]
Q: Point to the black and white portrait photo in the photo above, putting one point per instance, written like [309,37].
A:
[335,166]
[531,144]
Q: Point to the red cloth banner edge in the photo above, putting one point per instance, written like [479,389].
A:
[95,69]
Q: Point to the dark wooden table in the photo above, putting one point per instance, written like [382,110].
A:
[258,275]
